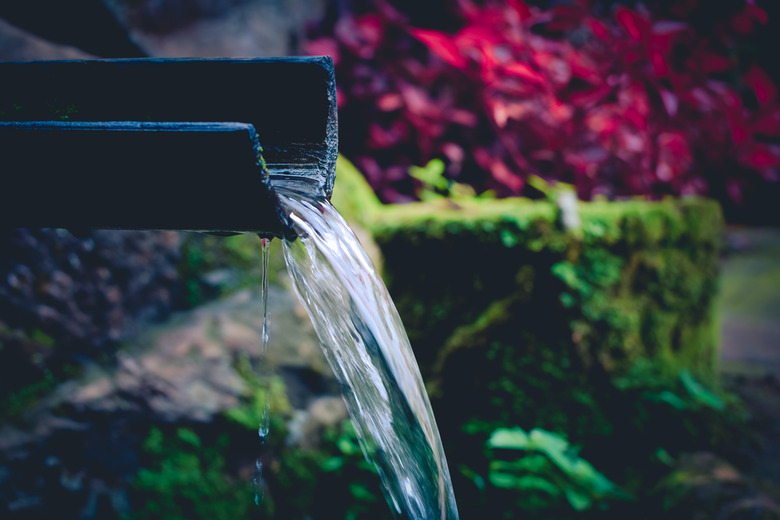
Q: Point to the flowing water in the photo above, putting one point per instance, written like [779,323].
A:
[369,352]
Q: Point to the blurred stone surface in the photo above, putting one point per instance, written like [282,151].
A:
[51,29]
[19,45]
[89,293]
[185,369]
[323,412]
[80,445]
[86,25]
[217,28]
[702,485]
[750,302]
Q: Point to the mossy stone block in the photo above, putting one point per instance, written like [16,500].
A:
[518,321]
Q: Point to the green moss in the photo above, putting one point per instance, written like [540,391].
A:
[352,196]
[187,479]
[206,472]
[446,262]
[15,403]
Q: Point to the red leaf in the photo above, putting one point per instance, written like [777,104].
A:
[744,21]
[441,45]
[488,64]
[737,126]
[760,156]
[389,102]
[635,25]
[416,99]
[757,13]
[504,175]
[524,71]
[463,117]
[768,124]
[590,96]
[520,7]
[477,37]
[660,66]
[762,85]
[324,47]
[603,122]
[674,156]
[735,191]
[583,68]
[671,102]
[598,29]
[361,34]
[711,62]
[565,17]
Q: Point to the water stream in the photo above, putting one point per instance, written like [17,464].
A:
[367,348]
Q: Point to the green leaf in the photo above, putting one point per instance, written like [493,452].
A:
[333,464]
[510,480]
[671,399]
[554,447]
[701,394]
[361,492]
[462,191]
[535,483]
[547,441]
[432,174]
[508,439]
[347,447]
[663,456]
[506,466]
[579,501]
[503,480]
[533,463]
[541,185]
[154,442]
[472,475]
[188,436]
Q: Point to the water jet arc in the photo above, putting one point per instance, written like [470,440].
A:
[163,143]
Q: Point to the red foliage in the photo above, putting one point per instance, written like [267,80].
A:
[623,106]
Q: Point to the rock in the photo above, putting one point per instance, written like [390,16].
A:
[19,45]
[86,25]
[704,486]
[217,28]
[89,293]
[323,412]
[186,369]
[293,342]
[328,410]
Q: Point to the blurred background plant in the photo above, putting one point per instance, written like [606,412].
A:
[616,98]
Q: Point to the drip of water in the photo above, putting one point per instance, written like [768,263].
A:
[264,426]
[369,352]
[265,246]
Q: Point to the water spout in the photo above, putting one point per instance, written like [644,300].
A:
[163,143]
